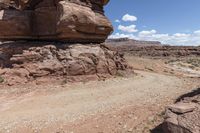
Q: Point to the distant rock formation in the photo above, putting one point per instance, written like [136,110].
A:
[184,116]
[61,20]
[132,42]
[151,48]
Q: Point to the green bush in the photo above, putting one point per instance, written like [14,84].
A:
[119,74]
[1,79]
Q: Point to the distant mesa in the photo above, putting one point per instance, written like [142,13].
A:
[132,42]
[60,20]
[118,40]
[151,48]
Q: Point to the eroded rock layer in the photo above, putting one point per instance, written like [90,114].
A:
[24,62]
[184,116]
[62,20]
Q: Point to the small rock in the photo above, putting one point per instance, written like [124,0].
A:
[125,126]
[182,108]
[120,123]
[130,116]
[130,130]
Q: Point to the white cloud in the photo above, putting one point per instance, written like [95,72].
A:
[130,18]
[197,32]
[129,29]
[117,21]
[118,35]
[173,39]
[147,33]
[183,35]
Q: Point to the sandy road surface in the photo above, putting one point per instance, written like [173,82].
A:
[57,108]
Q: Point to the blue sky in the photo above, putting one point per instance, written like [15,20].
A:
[175,22]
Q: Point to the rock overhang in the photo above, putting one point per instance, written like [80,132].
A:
[60,20]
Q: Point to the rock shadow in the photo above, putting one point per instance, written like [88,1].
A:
[193,93]
[158,129]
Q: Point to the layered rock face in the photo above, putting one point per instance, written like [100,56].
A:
[58,20]
[62,20]
[184,116]
[24,62]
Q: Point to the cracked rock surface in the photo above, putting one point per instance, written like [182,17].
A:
[22,63]
[184,116]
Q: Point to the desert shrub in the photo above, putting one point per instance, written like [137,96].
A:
[1,79]
[119,74]
[124,74]
[194,62]
[150,69]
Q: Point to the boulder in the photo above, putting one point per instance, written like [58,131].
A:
[183,116]
[60,20]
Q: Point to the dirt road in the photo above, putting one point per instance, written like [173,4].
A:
[115,105]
